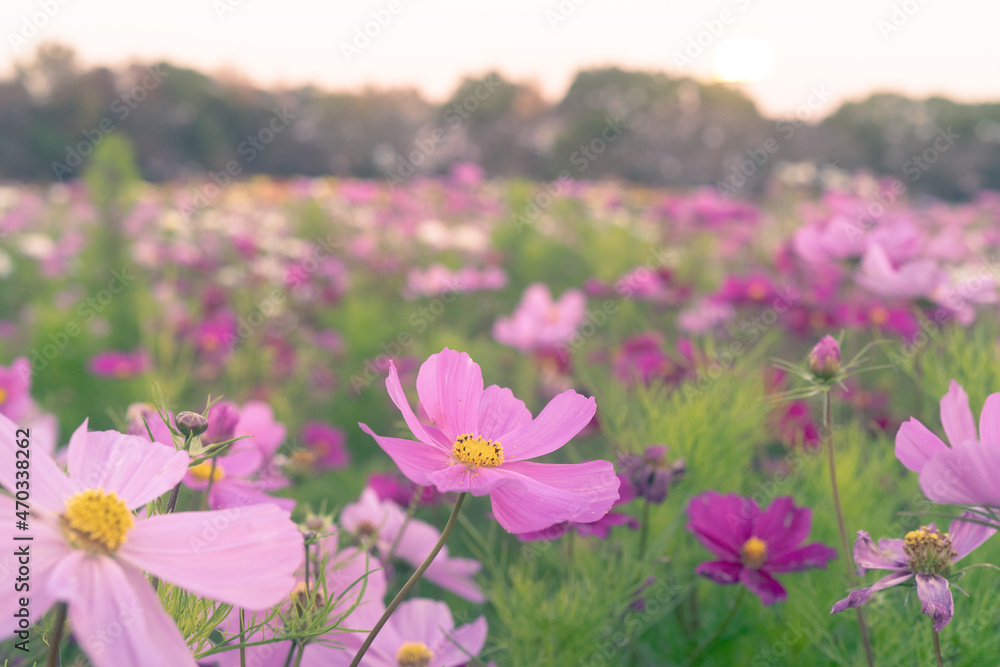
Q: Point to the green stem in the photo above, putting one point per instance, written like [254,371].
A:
[644,529]
[243,649]
[410,511]
[291,653]
[298,657]
[851,574]
[937,648]
[53,658]
[719,630]
[412,580]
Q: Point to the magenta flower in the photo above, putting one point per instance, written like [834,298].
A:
[120,365]
[926,555]
[539,323]
[423,632]
[752,544]
[91,549]
[916,445]
[480,441]
[324,446]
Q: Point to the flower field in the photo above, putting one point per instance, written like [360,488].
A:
[499,422]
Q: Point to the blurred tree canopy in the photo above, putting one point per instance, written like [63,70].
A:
[643,127]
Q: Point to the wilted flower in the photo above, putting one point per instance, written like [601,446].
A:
[651,475]
[925,555]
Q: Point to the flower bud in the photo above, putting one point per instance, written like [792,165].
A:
[824,360]
[190,423]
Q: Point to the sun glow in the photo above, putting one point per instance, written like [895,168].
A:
[743,59]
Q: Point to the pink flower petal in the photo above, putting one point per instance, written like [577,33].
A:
[429,435]
[46,549]
[565,416]
[956,416]
[594,481]
[963,475]
[450,387]
[217,553]
[115,614]
[763,585]
[886,555]
[720,571]
[525,504]
[415,459]
[228,493]
[722,523]
[989,420]
[257,420]
[804,558]
[477,481]
[935,599]
[782,525]
[916,444]
[500,413]
[967,535]
[137,470]
[862,595]
[470,637]
[49,485]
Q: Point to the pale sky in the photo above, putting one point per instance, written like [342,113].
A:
[947,48]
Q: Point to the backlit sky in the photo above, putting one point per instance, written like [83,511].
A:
[947,48]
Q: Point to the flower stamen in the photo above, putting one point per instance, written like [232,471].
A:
[96,521]
[930,551]
[753,553]
[477,452]
[414,654]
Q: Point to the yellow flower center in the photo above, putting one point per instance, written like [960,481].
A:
[757,291]
[930,551]
[96,521]
[414,654]
[754,553]
[3,395]
[477,452]
[303,458]
[879,315]
[204,470]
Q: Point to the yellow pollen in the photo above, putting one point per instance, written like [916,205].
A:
[96,521]
[879,315]
[414,654]
[204,470]
[754,553]
[757,291]
[929,551]
[3,395]
[477,452]
[209,342]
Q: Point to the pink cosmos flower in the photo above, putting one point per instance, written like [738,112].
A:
[540,323]
[916,444]
[915,279]
[926,555]
[385,521]
[480,441]
[423,632]
[324,446]
[90,549]
[120,365]
[15,389]
[751,544]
